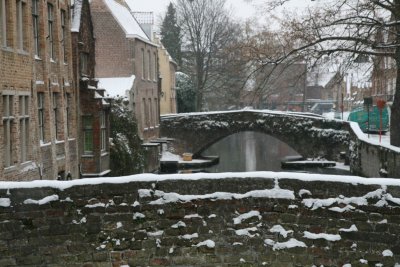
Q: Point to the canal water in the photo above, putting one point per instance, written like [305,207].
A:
[252,151]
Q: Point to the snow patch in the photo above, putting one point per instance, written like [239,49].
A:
[327,237]
[277,193]
[42,201]
[5,202]
[279,229]
[245,216]
[292,243]
[387,253]
[352,228]
[208,243]
[246,232]
[189,236]
[179,224]
[138,215]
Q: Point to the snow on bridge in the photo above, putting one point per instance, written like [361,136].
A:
[309,134]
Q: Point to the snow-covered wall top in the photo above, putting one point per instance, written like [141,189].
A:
[254,219]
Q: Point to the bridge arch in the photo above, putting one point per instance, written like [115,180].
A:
[309,135]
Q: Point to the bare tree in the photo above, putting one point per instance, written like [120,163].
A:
[346,27]
[206,30]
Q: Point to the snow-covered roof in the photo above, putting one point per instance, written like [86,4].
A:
[76,15]
[126,20]
[322,74]
[117,86]
[359,75]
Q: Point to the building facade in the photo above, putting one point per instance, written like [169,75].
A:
[168,68]
[124,50]
[93,107]
[38,99]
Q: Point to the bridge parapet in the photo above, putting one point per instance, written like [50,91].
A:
[309,135]
[252,219]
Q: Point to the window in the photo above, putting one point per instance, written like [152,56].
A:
[87,134]
[8,119]
[50,36]
[156,114]
[3,22]
[63,35]
[148,65]
[35,22]
[41,116]
[55,115]
[143,65]
[150,114]
[20,23]
[24,127]
[103,131]
[68,113]
[144,113]
[155,68]
[84,63]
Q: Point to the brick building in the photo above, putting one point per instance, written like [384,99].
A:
[37,135]
[93,109]
[123,50]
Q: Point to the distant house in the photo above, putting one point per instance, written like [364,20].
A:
[93,110]
[335,85]
[126,57]
[168,68]
[283,86]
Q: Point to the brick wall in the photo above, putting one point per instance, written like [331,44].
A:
[120,56]
[165,222]
[23,73]
[113,50]
[83,42]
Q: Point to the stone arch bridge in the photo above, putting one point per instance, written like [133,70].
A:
[310,135]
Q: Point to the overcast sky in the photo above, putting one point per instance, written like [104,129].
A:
[240,8]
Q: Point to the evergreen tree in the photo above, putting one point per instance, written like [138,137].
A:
[126,152]
[185,93]
[171,34]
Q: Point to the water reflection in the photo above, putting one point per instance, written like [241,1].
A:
[252,151]
[249,151]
